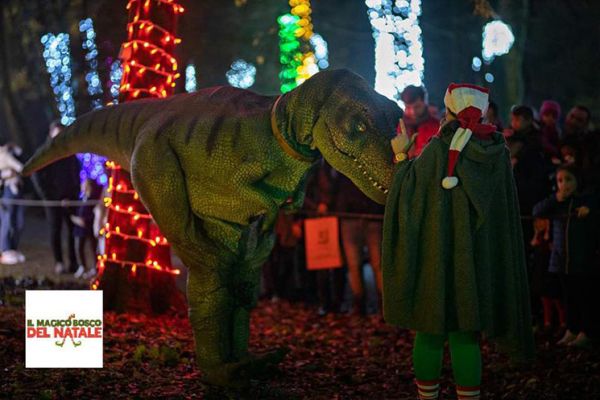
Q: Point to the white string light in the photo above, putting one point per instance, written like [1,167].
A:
[242,74]
[320,50]
[92,78]
[398,47]
[190,78]
[497,39]
[58,63]
[92,164]
[116,74]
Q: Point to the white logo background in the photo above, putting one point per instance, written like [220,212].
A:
[59,304]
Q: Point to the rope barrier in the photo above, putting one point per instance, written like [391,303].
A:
[312,214]
[309,214]
[49,203]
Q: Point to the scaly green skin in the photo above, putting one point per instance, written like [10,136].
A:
[211,172]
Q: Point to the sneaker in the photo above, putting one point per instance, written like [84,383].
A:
[567,338]
[20,257]
[80,271]
[580,341]
[9,257]
[90,274]
[59,268]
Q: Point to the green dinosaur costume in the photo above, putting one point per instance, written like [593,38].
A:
[453,260]
[214,167]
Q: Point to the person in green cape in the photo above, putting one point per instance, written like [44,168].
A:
[452,258]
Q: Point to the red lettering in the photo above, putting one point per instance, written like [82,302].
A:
[42,332]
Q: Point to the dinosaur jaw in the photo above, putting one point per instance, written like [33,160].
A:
[358,169]
[365,172]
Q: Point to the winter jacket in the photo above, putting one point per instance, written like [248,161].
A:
[426,129]
[574,239]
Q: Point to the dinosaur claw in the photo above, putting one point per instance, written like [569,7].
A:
[238,375]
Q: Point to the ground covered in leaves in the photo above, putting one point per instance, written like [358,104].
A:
[332,357]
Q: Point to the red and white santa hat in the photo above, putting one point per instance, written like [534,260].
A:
[468,103]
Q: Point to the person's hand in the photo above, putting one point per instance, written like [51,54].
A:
[322,208]
[582,212]
[541,227]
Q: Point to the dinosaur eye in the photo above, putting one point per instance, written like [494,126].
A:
[361,127]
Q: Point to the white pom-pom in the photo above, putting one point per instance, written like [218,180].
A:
[449,182]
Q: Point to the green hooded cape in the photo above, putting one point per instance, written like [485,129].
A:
[453,260]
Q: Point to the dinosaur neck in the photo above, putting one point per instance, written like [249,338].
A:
[292,124]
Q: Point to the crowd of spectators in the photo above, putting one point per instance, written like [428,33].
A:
[556,165]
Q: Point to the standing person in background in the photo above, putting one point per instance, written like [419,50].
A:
[530,166]
[574,246]
[576,134]
[417,118]
[83,229]
[59,181]
[546,287]
[531,170]
[280,278]
[577,122]
[330,282]
[358,233]
[11,224]
[549,117]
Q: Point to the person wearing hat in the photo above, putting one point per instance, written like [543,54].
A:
[453,260]
[549,117]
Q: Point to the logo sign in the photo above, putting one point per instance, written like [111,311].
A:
[322,243]
[63,329]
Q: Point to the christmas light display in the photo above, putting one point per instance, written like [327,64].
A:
[241,74]
[320,50]
[497,39]
[86,27]
[304,32]
[133,239]
[476,64]
[290,56]
[116,74]
[92,165]
[190,78]
[58,63]
[398,47]
[297,48]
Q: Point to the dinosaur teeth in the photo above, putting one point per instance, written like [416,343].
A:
[362,168]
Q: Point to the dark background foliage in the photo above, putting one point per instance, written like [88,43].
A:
[555,54]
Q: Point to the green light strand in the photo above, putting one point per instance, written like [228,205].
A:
[290,55]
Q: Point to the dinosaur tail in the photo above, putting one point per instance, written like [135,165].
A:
[109,131]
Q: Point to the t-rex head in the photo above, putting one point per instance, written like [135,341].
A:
[337,113]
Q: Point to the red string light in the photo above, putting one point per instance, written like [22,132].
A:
[149,70]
